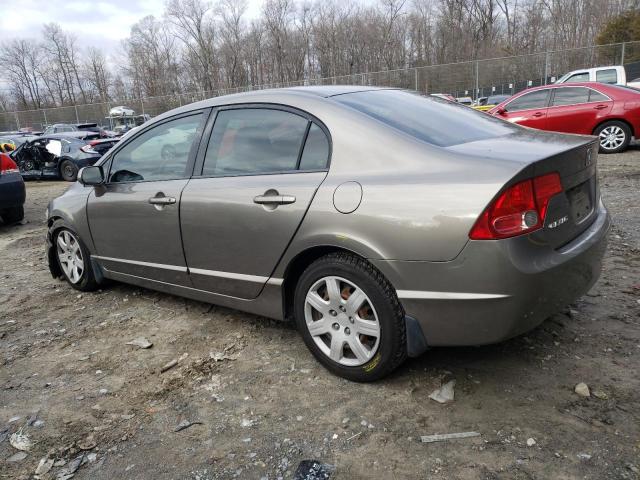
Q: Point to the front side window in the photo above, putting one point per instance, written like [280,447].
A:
[250,141]
[161,153]
[570,96]
[607,76]
[532,100]
[579,77]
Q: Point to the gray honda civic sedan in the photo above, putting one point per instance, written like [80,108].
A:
[381,221]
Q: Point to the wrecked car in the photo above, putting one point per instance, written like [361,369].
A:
[58,156]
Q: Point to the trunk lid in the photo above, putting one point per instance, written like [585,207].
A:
[536,153]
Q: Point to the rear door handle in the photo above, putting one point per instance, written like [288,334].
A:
[538,114]
[274,199]
[600,107]
[162,200]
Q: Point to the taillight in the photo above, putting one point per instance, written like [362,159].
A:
[7,165]
[89,149]
[520,209]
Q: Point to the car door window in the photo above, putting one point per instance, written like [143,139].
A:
[250,141]
[597,96]
[532,100]
[316,150]
[161,153]
[607,76]
[570,96]
[579,77]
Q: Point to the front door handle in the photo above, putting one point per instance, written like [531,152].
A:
[162,200]
[538,114]
[600,107]
[274,199]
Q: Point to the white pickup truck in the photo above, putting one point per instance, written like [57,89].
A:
[615,75]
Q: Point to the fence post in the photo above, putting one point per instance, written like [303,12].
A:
[622,54]
[142,105]
[77,118]
[44,112]
[17,121]
[416,78]
[475,97]
[546,67]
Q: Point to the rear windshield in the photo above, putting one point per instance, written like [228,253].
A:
[429,119]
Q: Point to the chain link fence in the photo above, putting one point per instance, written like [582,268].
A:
[477,78]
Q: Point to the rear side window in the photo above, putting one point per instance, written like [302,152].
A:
[429,119]
[570,96]
[316,150]
[597,96]
[607,76]
[254,141]
[537,99]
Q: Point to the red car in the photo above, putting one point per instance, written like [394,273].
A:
[611,112]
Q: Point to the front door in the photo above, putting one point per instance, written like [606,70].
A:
[135,217]
[261,170]
[529,110]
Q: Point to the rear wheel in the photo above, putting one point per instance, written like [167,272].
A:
[74,260]
[68,171]
[614,136]
[13,215]
[350,318]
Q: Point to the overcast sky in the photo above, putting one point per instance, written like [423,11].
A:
[101,23]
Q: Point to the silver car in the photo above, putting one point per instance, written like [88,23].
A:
[382,222]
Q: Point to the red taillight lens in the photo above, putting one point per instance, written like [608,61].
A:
[88,148]
[7,165]
[520,209]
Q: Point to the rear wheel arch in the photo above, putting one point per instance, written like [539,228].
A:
[297,266]
[621,120]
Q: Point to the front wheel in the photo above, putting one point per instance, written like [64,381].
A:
[74,260]
[68,171]
[350,318]
[614,136]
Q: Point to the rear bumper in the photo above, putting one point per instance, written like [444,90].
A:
[12,191]
[495,290]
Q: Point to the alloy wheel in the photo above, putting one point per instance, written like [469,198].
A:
[612,137]
[70,256]
[342,321]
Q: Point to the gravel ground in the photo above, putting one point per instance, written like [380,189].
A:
[71,383]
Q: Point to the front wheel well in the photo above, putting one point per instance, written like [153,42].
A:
[295,268]
[621,120]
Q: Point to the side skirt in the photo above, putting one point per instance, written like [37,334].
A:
[268,304]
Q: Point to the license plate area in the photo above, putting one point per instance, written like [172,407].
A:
[580,200]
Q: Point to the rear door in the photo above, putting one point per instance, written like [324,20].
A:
[529,110]
[254,183]
[576,110]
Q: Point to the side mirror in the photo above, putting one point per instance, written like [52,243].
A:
[91,176]
[501,111]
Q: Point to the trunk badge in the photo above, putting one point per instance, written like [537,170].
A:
[588,160]
[558,222]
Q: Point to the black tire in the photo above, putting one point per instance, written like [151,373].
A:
[614,124]
[13,215]
[68,171]
[87,281]
[392,347]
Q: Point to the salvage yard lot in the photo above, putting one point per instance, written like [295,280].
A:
[261,403]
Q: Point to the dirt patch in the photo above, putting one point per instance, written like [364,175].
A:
[264,404]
